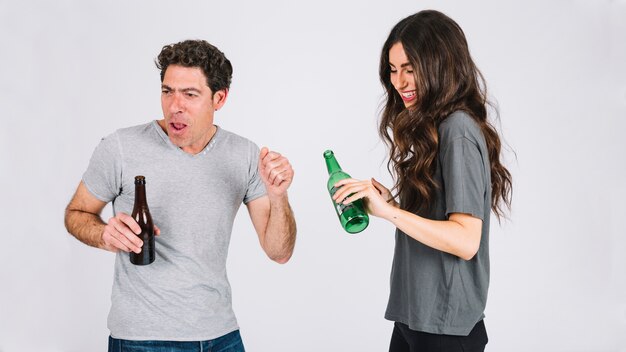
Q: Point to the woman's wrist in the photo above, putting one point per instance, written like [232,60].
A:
[391,213]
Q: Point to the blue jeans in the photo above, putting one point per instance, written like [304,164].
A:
[230,342]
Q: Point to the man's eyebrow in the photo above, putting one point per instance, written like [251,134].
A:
[184,90]
[191,89]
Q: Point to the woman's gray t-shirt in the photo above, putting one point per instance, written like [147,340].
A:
[433,291]
[185,294]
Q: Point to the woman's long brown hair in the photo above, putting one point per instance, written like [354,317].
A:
[447,80]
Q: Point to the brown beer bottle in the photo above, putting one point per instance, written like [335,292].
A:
[141,214]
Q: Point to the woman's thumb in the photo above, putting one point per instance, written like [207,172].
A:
[378,185]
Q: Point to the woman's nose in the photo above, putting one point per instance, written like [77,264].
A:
[398,81]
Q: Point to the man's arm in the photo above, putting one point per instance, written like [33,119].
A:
[271,215]
[83,221]
[274,223]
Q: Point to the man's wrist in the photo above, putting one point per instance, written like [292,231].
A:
[280,200]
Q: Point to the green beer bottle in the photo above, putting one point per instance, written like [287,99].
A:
[353,216]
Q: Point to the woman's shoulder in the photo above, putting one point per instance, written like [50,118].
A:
[459,124]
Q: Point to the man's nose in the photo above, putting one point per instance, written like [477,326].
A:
[177,103]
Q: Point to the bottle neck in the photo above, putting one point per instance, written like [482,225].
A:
[332,165]
[140,196]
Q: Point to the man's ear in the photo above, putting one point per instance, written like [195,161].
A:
[219,98]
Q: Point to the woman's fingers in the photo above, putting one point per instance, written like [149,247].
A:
[345,193]
[354,197]
[381,189]
[346,190]
[345,181]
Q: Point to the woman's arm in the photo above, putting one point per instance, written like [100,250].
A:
[459,235]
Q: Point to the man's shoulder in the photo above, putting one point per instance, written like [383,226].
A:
[129,137]
[134,134]
[135,130]
[234,140]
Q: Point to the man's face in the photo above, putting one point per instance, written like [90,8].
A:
[188,106]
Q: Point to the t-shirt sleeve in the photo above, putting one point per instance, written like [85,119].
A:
[256,188]
[103,177]
[463,178]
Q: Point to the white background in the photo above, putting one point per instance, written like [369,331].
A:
[305,79]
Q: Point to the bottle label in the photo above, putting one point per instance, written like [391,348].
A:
[341,208]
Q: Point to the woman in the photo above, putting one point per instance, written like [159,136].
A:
[445,156]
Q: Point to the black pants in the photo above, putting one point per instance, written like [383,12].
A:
[404,339]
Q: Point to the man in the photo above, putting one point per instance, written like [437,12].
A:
[197,176]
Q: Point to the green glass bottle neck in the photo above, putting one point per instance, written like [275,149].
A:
[331,164]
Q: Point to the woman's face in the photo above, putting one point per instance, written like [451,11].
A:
[402,74]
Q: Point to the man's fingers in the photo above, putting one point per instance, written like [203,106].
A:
[122,243]
[113,239]
[125,232]
[121,231]
[267,155]
[275,164]
[272,163]
[273,174]
[281,174]
[263,153]
[284,176]
[273,168]
[130,222]
[272,155]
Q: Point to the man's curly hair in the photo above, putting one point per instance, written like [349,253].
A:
[198,53]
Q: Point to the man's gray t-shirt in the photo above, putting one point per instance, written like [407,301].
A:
[433,291]
[185,294]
